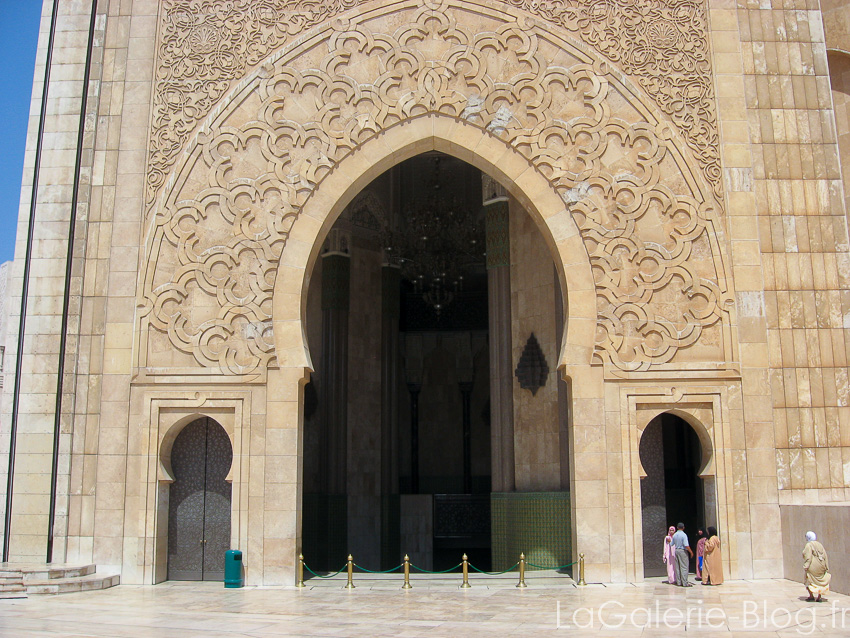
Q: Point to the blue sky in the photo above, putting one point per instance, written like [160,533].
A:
[20,20]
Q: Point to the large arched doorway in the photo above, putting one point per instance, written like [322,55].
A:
[434,417]
[672,490]
[199,502]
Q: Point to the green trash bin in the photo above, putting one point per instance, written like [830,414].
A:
[233,569]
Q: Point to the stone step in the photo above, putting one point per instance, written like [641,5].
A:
[12,586]
[13,592]
[88,582]
[46,571]
[49,572]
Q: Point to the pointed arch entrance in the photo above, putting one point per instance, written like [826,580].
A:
[199,502]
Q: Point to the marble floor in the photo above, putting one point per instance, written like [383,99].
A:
[436,608]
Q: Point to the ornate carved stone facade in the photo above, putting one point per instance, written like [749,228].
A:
[205,45]
[676,159]
[649,224]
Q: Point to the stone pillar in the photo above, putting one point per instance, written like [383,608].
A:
[465,374]
[563,393]
[414,389]
[499,301]
[333,389]
[390,306]
[466,393]
[413,369]
[390,514]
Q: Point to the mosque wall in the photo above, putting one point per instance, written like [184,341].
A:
[536,415]
[684,176]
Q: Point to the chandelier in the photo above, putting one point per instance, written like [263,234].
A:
[437,242]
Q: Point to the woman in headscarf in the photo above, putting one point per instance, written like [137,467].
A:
[817,568]
[669,555]
[700,552]
[713,560]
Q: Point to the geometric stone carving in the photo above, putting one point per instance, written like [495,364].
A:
[532,369]
[648,221]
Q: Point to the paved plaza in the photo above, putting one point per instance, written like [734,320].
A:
[550,606]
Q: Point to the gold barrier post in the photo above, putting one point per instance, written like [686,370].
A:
[300,571]
[521,582]
[581,581]
[407,584]
[465,584]
[350,584]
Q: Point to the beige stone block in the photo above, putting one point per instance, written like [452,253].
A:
[281,469]
[279,524]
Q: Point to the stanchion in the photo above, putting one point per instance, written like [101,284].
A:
[581,581]
[521,582]
[300,571]
[465,584]
[350,584]
[407,584]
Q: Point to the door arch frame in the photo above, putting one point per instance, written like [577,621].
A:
[492,156]
[473,145]
[165,414]
[707,410]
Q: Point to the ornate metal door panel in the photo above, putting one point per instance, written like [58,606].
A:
[216,501]
[199,502]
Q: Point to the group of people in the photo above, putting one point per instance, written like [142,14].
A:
[709,564]
[678,552]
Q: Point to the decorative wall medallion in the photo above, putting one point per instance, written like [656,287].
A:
[648,223]
[532,369]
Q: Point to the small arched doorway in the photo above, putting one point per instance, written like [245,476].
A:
[672,490]
[199,502]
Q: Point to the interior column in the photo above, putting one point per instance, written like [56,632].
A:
[390,311]
[336,271]
[499,302]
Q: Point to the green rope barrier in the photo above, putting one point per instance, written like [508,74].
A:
[555,568]
[426,571]
[379,571]
[339,571]
[481,571]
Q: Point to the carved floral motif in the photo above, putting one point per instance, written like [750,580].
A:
[219,237]
[204,45]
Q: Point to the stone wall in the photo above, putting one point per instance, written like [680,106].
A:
[830,522]
[839,78]
[7,366]
[836,24]
[695,214]
[536,416]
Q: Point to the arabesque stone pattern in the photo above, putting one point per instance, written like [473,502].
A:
[679,159]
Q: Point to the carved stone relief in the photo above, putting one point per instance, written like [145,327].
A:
[204,45]
[648,226]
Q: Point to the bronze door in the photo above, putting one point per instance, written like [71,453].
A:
[199,502]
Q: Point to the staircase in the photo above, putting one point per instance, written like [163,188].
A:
[12,584]
[18,580]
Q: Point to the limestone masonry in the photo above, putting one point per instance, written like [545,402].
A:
[249,363]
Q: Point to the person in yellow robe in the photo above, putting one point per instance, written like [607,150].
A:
[713,559]
[816,565]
